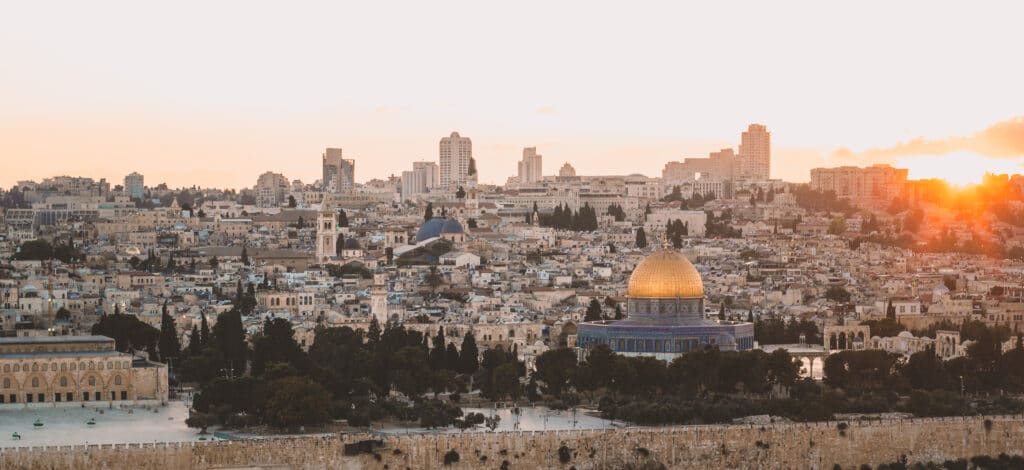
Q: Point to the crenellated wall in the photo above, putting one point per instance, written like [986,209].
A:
[812,446]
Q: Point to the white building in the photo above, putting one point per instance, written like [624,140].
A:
[755,153]
[271,189]
[456,155]
[530,167]
[133,186]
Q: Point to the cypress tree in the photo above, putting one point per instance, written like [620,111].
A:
[204,332]
[170,346]
[469,356]
[641,238]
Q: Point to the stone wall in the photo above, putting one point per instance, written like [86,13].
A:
[813,446]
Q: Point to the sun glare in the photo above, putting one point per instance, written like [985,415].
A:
[958,169]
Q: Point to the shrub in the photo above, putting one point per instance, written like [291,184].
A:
[564,454]
[451,457]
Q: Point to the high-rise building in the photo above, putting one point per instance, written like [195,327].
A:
[271,189]
[567,170]
[755,155]
[530,167]
[339,174]
[871,185]
[718,165]
[134,186]
[423,177]
[456,157]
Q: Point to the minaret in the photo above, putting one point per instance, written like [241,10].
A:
[49,302]
[379,298]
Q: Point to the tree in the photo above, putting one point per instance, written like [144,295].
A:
[433,279]
[342,218]
[469,354]
[429,212]
[277,345]
[555,369]
[214,262]
[451,357]
[129,333]
[641,238]
[471,222]
[373,332]
[296,401]
[229,339]
[291,201]
[837,294]
[437,354]
[170,345]
[460,193]
[245,255]
[618,312]
[194,346]
[593,311]
[204,331]
[837,226]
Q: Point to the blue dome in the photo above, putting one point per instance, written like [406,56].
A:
[452,226]
[430,229]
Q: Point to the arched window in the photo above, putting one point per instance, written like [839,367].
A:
[63,381]
[35,367]
[7,383]
[117,380]
[17,367]
[92,381]
[74,366]
[35,382]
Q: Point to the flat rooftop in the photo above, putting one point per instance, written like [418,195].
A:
[55,339]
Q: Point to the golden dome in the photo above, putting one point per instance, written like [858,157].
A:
[665,274]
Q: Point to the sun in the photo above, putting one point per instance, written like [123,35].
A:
[958,169]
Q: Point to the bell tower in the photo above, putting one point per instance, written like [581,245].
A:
[327,231]
[379,298]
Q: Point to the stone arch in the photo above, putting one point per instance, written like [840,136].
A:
[9,382]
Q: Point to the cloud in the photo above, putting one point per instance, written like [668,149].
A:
[548,109]
[1003,139]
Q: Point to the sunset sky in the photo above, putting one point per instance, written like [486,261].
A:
[215,93]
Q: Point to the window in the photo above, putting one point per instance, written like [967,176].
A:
[85,396]
[14,398]
[28,397]
[117,380]
[69,396]
[42,398]
[92,381]
[35,382]
[56,397]
[63,381]
[7,383]
[124,395]
[98,397]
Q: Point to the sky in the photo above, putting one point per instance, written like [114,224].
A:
[215,93]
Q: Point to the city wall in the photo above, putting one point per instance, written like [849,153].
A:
[796,446]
